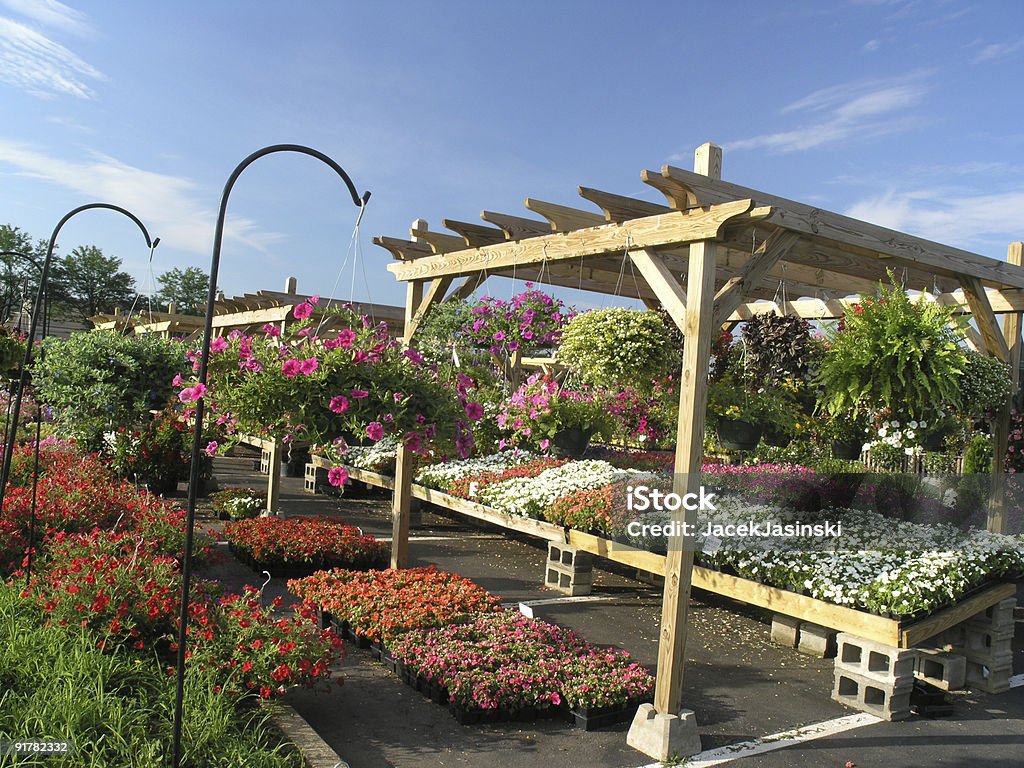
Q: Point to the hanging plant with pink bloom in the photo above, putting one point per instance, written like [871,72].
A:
[542,408]
[357,381]
[528,322]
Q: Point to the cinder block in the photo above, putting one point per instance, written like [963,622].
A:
[817,641]
[944,670]
[570,584]
[869,659]
[785,630]
[647,577]
[988,643]
[996,618]
[569,557]
[885,700]
[315,479]
[989,678]
[265,462]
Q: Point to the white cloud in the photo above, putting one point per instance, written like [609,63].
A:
[947,216]
[845,111]
[52,14]
[997,51]
[871,46]
[170,206]
[35,63]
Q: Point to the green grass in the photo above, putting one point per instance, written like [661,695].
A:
[117,706]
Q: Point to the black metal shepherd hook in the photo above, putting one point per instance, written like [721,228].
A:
[193,481]
[44,274]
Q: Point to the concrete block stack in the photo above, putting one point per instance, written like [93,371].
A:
[568,570]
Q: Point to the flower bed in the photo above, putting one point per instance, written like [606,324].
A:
[381,605]
[238,503]
[304,544]
[443,476]
[505,664]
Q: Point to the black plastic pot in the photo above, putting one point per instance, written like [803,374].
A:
[739,435]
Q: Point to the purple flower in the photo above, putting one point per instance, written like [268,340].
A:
[359,394]
[339,404]
[499,336]
[211,448]
[474,411]
[219,344]
[346,337]
[309,365]
[291,367]
[271,330]
[302,311]
[337,476]
[191,394]
[375,431]
[415,357]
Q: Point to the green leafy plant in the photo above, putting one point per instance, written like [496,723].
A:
[102,380]
[619,346]
[891,352]
[238,503]
[158,454]
[780,349]
[984,384]
[542,408]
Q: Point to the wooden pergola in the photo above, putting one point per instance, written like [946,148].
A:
[711,255]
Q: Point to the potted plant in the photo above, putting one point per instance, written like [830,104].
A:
[984,387]
[543,413]
[738,414]
[845,431]
[530,321]
[893,353]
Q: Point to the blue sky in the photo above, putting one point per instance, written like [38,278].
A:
[907,113]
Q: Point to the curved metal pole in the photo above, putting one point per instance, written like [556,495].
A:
[39,427]
[193,480]
[44,274]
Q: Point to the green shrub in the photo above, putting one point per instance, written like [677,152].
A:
[618,346]
[984,384]
[102,380]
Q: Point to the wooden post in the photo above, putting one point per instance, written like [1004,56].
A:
[401,505]
[274,476]
[1001,431]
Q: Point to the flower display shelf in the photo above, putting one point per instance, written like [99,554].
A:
[376,479]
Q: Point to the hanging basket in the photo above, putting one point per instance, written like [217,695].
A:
[739,435]
[776,438]
[572,441]
[935,442]
[850,450]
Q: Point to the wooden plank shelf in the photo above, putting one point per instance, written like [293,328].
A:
[900,634]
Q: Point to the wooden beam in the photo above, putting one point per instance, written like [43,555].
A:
[438,287]
[438,241]
[679,196]
[403,249]
[977,299]
[750,275]
[413,299]
[668,693]
[564,218]
[619,207]
[516,227]
[1001,429]
[854,235]
[650,232]
[401,506]
[475,235]
[664,284]
[465,288]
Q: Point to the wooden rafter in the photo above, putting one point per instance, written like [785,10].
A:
[516,227]
[679,196]
[649,232]
[562,217]
[621,208]
[855,236]
[403,250]
[475,235]
[438,241]
[664,284]
[978,301]
[750,275]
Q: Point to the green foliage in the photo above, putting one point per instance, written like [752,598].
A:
[780,349]
[984,384]
[90,283]
[893,353]
[158,454]
[19,278]
[441,331]
[102,380]
[978,455]
[188,289]
[619,346]
[55,684]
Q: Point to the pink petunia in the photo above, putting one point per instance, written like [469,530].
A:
[359,394]
[339,404]
[191,394]
[307,366]
[290,367]
[271,330]
[346,338]
[219,344]
[337,476]
[302,311]
[375,431]
[474,411]
[211,448]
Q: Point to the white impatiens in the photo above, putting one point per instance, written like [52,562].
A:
[443,475]
[530,496]
[374,457]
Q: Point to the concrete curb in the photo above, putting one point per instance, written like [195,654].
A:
[315,751]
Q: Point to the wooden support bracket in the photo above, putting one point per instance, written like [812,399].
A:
[981,308]
[664,284]
[750,275]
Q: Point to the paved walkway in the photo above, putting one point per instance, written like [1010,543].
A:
[742,687]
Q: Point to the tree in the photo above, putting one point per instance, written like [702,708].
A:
[90,283]
[19,278]
[188,289]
